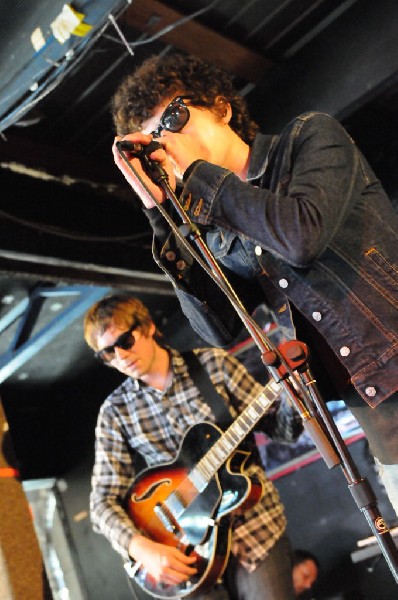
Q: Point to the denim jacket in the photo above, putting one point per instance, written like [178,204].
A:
[315,229]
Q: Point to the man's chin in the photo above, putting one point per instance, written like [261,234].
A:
[132,371]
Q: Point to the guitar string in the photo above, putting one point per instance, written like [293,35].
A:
[176,502]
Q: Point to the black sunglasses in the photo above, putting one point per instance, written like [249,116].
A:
[175,116]
[125,341]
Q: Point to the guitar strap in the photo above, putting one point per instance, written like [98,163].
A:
[216,402]
[202,380]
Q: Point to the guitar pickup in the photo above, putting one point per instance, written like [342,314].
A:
[165,518]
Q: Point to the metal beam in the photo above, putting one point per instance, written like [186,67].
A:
[44,163]
[22,347]
[151,16]
[55,269]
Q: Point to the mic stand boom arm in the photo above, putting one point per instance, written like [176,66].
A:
[287,364]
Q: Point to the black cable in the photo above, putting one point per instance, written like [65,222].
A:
[58,231]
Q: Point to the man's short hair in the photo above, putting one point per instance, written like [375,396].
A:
[116,309]
[300,556]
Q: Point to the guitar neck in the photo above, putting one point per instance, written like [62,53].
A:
[226,445]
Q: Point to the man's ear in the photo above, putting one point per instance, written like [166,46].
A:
[223,109]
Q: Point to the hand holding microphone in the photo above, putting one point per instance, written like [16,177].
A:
[143,171]
[152,168]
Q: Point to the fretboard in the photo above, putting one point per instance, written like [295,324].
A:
[211,462]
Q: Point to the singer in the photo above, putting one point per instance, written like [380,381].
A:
[297,220]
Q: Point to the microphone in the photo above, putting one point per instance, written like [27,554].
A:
[152,168]
[139,149]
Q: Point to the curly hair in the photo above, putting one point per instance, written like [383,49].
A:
[160,77]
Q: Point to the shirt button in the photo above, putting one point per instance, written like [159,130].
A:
[170,255]
[258,250]
[345,351]
[180,264]
[316,316]
[283,283]
[370,391]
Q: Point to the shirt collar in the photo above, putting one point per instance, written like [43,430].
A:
[176,363]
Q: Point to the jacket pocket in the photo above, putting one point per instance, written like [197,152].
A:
[385,278]
[220,242]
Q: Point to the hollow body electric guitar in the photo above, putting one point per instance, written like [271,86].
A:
[187,503]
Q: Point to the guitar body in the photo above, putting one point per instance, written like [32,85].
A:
[167,506]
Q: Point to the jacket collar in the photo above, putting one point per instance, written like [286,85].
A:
[259,155]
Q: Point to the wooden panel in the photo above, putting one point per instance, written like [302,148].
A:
[21,567]
[192,37]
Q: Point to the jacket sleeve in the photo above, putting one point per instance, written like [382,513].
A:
[310,198]
[211,315]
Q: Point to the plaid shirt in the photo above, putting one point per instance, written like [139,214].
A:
[139,418]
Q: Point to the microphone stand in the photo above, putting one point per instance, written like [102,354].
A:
[287,364]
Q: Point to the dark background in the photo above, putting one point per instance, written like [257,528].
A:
[71,229]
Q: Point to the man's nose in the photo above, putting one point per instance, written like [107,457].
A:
[120,353]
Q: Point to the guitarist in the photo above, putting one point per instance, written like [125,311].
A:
[148,416]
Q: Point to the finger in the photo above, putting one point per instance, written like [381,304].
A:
[181,556]
[159,155]
[138,136]
[115,150]
[174,577]
[188,559]
[181,566]
[185,570]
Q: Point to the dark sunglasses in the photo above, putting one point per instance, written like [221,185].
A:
[125,341]
[175,116]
